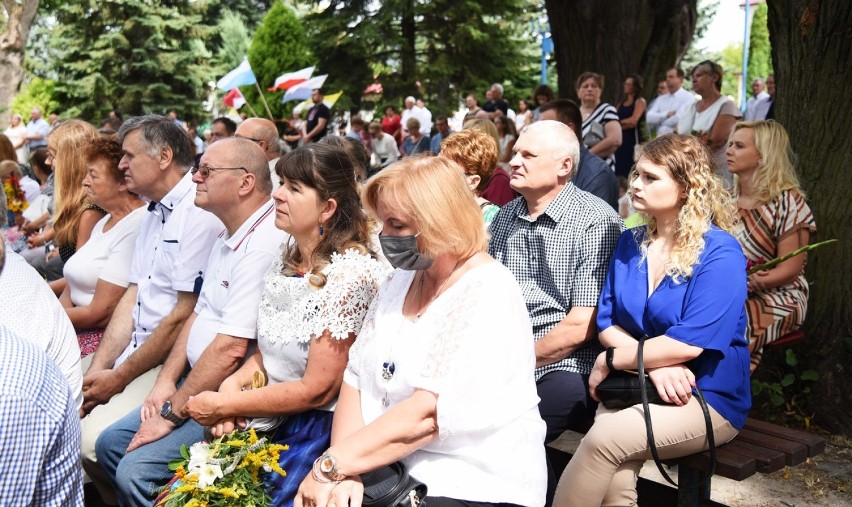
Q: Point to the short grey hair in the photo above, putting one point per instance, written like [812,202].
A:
[498,87]
[159,132]
[560,139]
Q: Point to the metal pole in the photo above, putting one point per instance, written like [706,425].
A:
[746,30]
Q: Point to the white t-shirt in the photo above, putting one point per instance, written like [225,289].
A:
[31,311]
[106,256]
[170,255]
[473,347]
[230,295]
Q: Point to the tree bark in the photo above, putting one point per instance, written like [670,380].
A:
[811,53]
[617,38]
[19,19]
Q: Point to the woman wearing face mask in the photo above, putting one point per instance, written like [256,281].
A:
[441,376]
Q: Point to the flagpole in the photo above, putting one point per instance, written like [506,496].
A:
[253,112]
[268,111]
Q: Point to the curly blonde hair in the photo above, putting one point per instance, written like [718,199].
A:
[775,171]
[707,200]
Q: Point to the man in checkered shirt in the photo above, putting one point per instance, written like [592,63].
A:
[557,240]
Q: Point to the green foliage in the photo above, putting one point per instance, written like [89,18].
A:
[695,53]
[133,55]
[780,394]
[38,92]
[439,50]
[235,41]
[760,51]
[279,45]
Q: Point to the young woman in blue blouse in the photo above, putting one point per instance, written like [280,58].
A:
[681,281]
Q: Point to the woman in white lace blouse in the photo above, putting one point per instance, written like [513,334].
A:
[441,376]
[313,304]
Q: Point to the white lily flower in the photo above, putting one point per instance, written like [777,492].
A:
[208,475]
[199,454]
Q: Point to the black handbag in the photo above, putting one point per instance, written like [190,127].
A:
[628,388]
[620,389]
[391,486]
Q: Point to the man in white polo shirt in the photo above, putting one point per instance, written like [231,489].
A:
[233,183]
[168,268]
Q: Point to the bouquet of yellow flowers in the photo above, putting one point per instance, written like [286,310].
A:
[224,472]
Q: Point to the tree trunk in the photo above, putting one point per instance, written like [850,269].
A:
[408,54]
[19,19]
[617,38]
[811,53]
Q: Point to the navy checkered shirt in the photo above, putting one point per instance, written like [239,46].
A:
[560,259]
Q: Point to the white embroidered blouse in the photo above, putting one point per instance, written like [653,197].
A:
[292,312]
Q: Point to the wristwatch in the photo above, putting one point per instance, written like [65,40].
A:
[167,414]
[328,467]
[610,355]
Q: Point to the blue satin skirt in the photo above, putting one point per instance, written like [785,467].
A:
[308,435]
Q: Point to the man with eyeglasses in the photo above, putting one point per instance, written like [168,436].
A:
[232,182]
[265,134]
[168,268]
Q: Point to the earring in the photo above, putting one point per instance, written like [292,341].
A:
[321,230]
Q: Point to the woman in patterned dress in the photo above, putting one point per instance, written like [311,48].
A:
[776,221]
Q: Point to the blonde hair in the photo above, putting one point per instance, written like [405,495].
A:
[475,151]
[484,125]
[68,143]
[707,201]
[432,192]
[775,170]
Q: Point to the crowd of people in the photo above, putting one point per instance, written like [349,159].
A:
[450,300]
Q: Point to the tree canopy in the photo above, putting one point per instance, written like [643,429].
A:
[133,55]
[279,45]
[438,50]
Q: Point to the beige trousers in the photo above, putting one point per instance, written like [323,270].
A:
[604,470]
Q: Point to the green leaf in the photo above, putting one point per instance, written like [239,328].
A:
[810,375]
[756,387]
[788,380]
[791,358]
[776,400]
[184,451]
[175,463]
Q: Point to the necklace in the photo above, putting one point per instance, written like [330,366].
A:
[389,367]
[422,309]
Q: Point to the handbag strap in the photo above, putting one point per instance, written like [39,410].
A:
[650,430]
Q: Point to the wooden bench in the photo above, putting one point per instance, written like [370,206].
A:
[760,447]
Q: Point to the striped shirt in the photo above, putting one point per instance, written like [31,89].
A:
[602,114]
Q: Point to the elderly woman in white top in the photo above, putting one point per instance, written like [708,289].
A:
[442,374]
[313,303]
[712,118]
[97,274]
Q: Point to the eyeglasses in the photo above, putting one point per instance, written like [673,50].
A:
[206,170]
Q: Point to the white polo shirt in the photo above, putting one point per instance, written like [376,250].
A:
[230,297]
[170,255]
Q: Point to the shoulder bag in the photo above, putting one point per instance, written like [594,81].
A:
[622,389]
